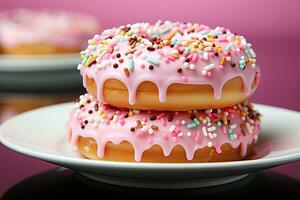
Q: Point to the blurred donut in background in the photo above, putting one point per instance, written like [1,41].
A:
[32,32]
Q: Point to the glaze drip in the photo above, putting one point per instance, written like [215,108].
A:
[237,125]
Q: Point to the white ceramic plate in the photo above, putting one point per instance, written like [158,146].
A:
[14,63]
[41,134]
[39,73]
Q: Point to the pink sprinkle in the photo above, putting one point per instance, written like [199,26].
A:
[174,134]
[165,136]
[211,54]
[145,119]
[197,137]
[176,113]
[221,67]
[224,129]
[177,122]
[149,112]
[171,58]
[163,121]
[107,122]
[195,57]
[177,130]
[161,53]
[150,141]
[184,78]
[122,122]
[174,139]
[218,149]
[142,66]
[209,115]
[160,115]
[239,136]
[208,74]
[216,115]
[118,112]
[222,40]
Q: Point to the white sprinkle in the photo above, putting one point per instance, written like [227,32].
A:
[205,55]
[138,52]
[180,134]
[145,128]
[210,66]
[192,66]
[189,134]
[79,66]
[115,118]
[183,122]
[210,135]
[249,129]
[212,128]
[172,128]
[204,121]
[186,65]
[204,131]
[182,58]
[209,144]
[150,131]
[228,58]
[214,135]
[207,49]
[136,111]
[233,126]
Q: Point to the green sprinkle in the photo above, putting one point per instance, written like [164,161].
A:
[130,64]
[219,123]
[186,51]
[191,125]
[196,121]
[232,136]
[228,47]
[242,64]
[152,61]
[204,32]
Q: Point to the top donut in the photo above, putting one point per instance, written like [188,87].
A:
[169,66]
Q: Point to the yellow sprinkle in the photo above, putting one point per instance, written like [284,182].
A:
[225,120]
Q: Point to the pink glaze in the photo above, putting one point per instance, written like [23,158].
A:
[168,134]
[58,28]
[204,66]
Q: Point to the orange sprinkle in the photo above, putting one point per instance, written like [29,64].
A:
[223,60]
[126,71]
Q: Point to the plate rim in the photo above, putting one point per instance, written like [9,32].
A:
[16,62]
[266,162]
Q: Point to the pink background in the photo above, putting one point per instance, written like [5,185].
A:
[271,26]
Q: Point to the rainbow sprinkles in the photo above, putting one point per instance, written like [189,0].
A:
[186,53]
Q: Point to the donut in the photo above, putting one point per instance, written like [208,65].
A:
[101,131]
[31,32]
[169,66]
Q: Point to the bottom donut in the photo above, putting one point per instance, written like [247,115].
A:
[214,135]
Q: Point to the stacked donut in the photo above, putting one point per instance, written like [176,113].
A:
[166,92]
